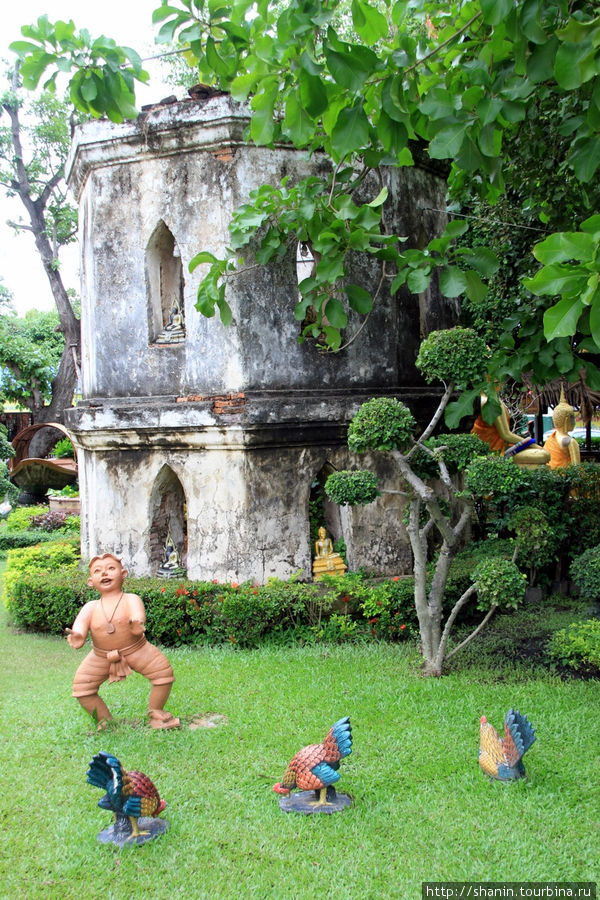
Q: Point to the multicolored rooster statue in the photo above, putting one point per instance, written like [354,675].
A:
[133,799]
[315,769]
[501,758]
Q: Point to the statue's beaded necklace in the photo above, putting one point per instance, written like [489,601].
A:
[110,628]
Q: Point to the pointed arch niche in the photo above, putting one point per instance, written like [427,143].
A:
[321,510]
[164,280]
[168,515]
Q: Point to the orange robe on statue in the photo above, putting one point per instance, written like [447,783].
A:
[489,434]
[559,456]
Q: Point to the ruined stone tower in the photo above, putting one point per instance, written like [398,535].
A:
[218,434]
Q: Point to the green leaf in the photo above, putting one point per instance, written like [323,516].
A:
[392,134]
[475,289]
[556,279]
[563,246]
[585,158]
[333,338]
[379,199]
[313,94]
[369,23]
[262,124]
[298,125]
[540,65]
[418,280]
[595,324]
[203,257]
[216,63]
[448,141]
[351,131]
[561,320]
[574,65]
[495,11]
[224,311]
[345,71]
[335,313]
[452,281]
[460,408]
[360,300]
[530,22]
[481,258]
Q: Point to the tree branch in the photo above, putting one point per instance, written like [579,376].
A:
[473,634]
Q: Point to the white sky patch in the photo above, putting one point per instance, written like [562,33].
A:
[130,24]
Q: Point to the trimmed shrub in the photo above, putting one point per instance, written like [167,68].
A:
[383,423]
[457,355]
[41,559]
[577,646]
[499,582]
[48,605]
[10,540]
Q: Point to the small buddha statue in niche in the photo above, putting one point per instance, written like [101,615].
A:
[563,449]
[500,438]
[174,330]
[170,566]
[326,561]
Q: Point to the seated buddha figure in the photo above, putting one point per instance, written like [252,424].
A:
[326,561]
[500,438]
[563,449]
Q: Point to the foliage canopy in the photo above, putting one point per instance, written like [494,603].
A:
[462,80]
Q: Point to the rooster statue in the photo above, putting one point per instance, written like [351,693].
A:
[315,768]
[131,796]
[501,758]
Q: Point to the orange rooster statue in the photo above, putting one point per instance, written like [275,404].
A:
[501,758]
[133,799]
[315,769]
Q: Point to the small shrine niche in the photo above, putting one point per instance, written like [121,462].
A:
[168,516]
[164,279]
[323,513]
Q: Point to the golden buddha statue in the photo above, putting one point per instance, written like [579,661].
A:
[326,561]
[563,449]
[501,439]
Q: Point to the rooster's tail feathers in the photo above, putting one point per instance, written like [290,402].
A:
[519,735]
[338,742]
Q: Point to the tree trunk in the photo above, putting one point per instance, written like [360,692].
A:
[65,382]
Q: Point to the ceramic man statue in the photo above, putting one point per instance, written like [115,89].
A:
[116,621]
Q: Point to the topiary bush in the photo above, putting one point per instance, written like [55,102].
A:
[383,423]
[455,355]
[585,572]
[499,583]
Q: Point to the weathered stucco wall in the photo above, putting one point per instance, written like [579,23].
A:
[244,417]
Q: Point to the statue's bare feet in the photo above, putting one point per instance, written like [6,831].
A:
[160,718]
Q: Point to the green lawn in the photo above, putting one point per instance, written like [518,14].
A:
[422,808]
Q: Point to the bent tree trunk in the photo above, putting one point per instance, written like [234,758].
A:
[434,632]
